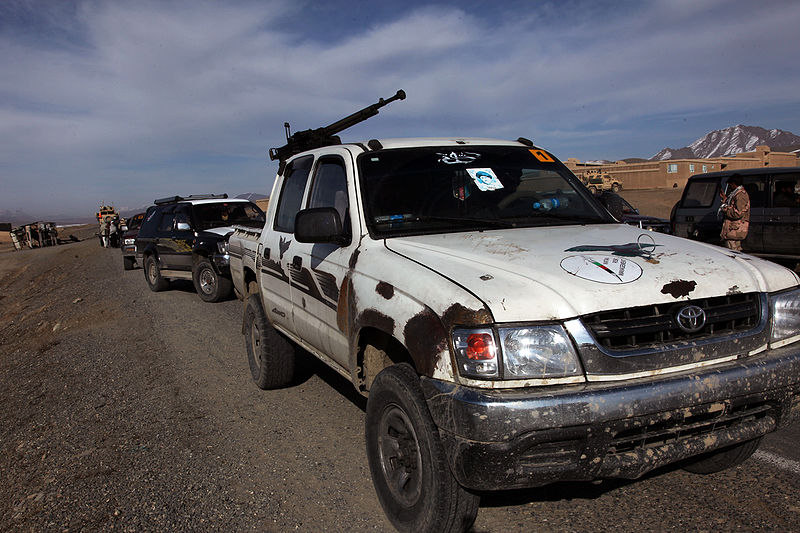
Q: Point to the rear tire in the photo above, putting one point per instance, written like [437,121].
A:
[408,464]
[153,275]
[210,286]
[128,262]
[269,354]
[723,459]
[615,187]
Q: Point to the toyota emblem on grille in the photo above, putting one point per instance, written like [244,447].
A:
[691,318]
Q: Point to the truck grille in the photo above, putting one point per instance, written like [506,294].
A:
[652,325]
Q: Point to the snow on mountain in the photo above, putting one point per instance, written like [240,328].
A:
[729,141]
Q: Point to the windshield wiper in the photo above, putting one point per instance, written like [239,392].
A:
[565,217]
[465,221]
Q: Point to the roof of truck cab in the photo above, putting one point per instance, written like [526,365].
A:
[416,142]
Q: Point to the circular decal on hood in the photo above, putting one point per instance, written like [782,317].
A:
[602,268]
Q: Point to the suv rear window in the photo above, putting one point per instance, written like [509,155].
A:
[700,193]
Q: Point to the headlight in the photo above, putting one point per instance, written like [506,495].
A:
[534,352]
[785,313]
[538,352]
[222,246]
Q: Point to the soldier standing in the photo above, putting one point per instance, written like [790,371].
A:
[735,210]
[104,231]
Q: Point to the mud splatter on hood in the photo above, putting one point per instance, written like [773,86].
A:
[562,272]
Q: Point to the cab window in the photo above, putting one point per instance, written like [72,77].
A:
[329,188]
[294,185]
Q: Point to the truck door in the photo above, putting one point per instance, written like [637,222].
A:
[757,189]
[279,246]
[782,218]
[318,270]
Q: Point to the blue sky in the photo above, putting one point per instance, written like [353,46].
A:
[125,102]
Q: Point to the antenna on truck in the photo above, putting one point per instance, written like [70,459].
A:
[304,140]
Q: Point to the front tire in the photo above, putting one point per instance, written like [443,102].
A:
[615,187]
[723,459]
[210,286]
[269,354]
[153,275]
[408,464]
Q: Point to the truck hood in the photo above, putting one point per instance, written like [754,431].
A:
[222,230]
[557,273]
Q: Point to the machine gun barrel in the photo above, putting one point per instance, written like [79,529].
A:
[304,140]
[362,115]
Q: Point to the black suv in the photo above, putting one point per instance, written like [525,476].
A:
[627,214]
[128,247]
[187,238]
[774,210]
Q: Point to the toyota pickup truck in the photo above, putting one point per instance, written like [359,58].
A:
[506,330]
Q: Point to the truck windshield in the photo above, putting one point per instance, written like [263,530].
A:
[444,189]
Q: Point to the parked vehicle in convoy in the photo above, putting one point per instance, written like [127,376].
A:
[506,330]
[186,238]
[623,211]
[600,180]
[128,247]
[774,210]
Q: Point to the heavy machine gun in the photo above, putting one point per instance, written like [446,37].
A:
[304,140]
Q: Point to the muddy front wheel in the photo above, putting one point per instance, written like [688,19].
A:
[408,464]
[209,284]
[723,459]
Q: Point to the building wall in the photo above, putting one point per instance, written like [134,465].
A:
[676,172]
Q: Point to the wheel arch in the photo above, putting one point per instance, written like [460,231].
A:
[388,351]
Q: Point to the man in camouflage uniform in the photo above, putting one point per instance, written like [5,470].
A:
[736,214]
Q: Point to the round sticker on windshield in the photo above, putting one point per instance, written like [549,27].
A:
[602,268]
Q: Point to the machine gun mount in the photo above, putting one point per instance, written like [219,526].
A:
[304,140]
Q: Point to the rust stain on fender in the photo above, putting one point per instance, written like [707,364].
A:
[425,339]
[375,319]
[679,288]
[385,289]
[457,314]
[427,335]
[345,305]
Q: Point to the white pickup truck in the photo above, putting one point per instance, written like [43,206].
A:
[506,330]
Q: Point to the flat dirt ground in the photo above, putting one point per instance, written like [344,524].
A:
[129,410]
[653,202]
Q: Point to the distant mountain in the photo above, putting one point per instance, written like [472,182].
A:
[729,141]
[252,196]
[16,217]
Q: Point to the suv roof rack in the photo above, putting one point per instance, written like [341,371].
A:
[174,199]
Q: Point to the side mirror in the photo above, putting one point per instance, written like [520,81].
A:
[319,225]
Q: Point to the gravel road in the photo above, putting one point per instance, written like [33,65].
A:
[130,410]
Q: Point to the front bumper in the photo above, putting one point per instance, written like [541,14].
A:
[502,439]
[222,262]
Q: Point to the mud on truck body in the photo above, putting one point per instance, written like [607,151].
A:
[506,331]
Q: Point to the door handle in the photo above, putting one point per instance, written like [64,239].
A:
[297,262]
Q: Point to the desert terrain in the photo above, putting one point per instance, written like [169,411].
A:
[128,410]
